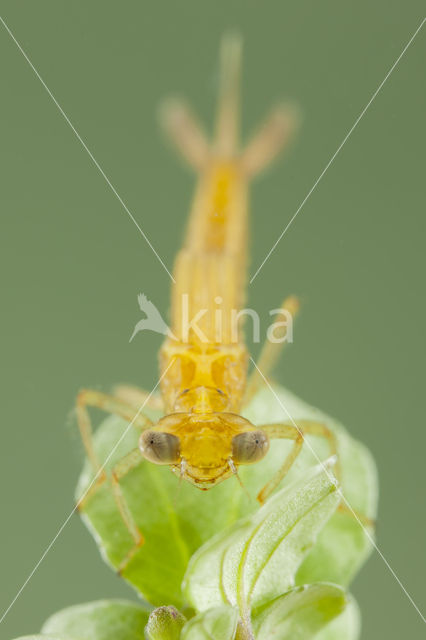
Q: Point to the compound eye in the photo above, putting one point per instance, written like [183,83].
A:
[249,447]
[160,447]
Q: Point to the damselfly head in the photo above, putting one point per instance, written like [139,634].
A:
[204,448]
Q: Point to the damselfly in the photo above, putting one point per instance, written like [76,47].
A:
[203,436]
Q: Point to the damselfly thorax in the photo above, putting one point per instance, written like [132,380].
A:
[205,368]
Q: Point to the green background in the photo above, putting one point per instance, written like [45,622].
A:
[72,262]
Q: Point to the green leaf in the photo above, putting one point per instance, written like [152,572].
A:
[101,620]
[219,623]
[256,560]
[38,637]
[343,545]
[165,623]
[300,613]
[347,626]
[176,521]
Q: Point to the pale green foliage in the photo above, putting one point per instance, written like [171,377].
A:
[300,613]
[234,568]
[258,559]
[215,624]
[176,521]
[102,620]
[347,626]
[342,546]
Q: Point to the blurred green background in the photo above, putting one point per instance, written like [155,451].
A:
[72,262]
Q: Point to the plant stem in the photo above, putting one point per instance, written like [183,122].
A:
[244,630]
